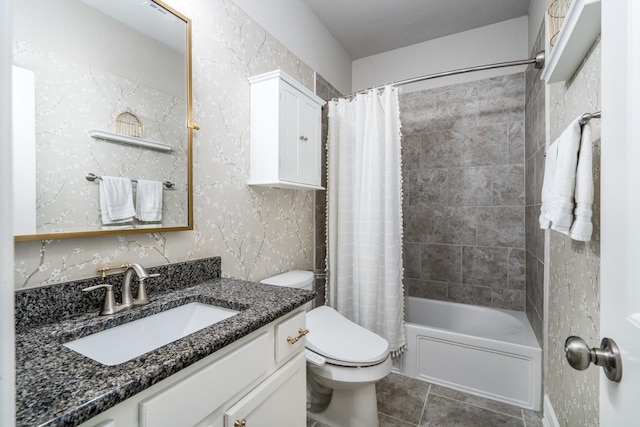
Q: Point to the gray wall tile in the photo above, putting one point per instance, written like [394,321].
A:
[508,298]
[441,263]
[501,226]
[427,289]
[483,266]
[465,294]
[428,187]
[469,186]
[484,145]
[517,269]
[465,191]
[515,137]
[508,185]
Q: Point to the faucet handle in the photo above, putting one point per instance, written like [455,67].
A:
[142,297]
[109,304]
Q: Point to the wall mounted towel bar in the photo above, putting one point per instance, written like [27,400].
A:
[92,177]
[588,116]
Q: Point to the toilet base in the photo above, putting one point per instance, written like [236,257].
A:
[350,408]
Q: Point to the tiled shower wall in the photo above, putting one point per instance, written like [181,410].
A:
[534,154]
[464,196]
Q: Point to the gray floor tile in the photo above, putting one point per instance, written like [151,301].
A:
[470,399]
[532,418]
[312,423]
[386,421]
[401,397]
[444,412]
[401,403]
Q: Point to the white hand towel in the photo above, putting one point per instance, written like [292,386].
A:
[582,228]
[149,200]
[116,200]
[564,179]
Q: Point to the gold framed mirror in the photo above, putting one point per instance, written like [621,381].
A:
[102,89]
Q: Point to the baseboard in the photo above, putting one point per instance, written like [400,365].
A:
[549,419]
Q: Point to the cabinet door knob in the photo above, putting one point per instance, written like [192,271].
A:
[303,138]
[240,423]
[301,333]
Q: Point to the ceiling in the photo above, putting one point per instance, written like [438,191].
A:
[368,27]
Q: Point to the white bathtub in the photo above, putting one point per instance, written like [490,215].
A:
[488,352]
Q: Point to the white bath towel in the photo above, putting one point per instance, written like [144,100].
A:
[569,180]
[149,200]
[564,178]
[116,200]
[582,227]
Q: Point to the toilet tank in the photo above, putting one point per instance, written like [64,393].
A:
[299,279]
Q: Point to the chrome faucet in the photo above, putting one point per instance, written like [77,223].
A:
[109,305]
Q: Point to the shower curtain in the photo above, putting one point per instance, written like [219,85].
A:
[364,221]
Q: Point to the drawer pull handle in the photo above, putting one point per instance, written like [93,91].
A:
[301,333]
[240,423]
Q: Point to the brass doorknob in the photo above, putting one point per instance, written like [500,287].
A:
[240,423]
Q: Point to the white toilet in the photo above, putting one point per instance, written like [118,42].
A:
[352,360]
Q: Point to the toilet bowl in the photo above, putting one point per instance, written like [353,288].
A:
[352,359]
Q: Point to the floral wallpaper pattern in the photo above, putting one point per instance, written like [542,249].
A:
[257,231]
[574,267]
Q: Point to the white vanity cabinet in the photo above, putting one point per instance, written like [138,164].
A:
[248,383]
[286,123]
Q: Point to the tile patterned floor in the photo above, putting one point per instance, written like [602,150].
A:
[407,402]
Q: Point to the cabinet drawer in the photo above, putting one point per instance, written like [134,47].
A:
[290,328]
[195,397]
[278,402]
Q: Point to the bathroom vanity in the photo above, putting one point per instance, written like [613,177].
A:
[241,371]
[256,381]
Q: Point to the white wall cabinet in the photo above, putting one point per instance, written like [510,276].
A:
[248,380]
[286,125]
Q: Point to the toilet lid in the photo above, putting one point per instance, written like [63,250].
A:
[341,341]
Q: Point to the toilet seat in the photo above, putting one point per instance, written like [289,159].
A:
[343,342]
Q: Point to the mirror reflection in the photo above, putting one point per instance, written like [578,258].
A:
[100,90]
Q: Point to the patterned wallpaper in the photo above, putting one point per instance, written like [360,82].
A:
[257,231]
[574,267]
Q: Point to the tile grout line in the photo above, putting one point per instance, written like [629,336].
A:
[424,405]
[477,406]
[399,419]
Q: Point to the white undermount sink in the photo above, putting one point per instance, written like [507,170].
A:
[125,342]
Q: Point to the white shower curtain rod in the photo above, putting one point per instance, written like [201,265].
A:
[537,60]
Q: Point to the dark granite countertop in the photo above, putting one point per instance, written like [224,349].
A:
[59,387]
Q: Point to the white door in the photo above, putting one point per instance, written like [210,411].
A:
[620,202]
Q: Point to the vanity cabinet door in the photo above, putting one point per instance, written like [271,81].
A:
[280,401]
